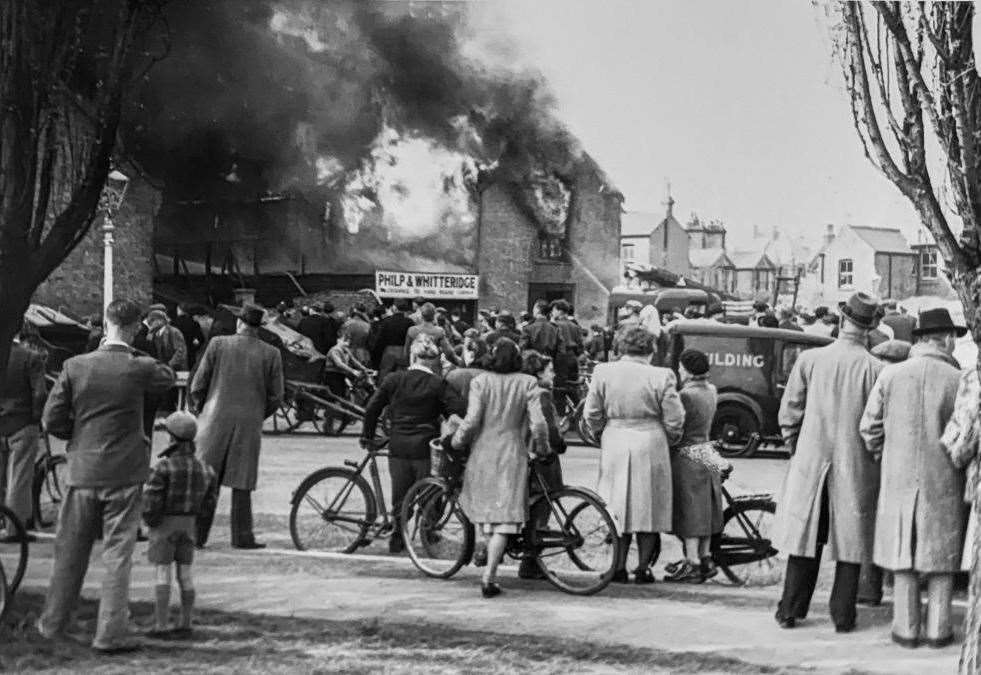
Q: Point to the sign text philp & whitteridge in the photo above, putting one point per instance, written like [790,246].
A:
[427,285]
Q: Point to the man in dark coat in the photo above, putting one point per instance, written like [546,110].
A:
[22,394]
[416,399]
[320,326]
[238,384]
[570,349]
[96,405]
[902,324]
[387,342]
[191,330]
[541,334]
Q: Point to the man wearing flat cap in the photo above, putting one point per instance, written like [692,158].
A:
[920,518]
[832,483]
[237,385]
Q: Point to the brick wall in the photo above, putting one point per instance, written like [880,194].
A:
[505,240]
[508,240]
[898,275]
[76,285]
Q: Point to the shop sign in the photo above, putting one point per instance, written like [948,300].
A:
[437,286]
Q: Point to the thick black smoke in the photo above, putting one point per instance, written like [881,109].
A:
[252,92]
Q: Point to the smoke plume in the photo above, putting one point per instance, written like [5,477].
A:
[371,109]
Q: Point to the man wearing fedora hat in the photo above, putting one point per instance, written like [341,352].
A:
[831,487]
[237,385]
[919,519]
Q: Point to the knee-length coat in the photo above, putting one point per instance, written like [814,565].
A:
[238,384]
[920,518]
[819,416]
[500,411]
[635,410]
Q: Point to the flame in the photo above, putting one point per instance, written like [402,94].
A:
[415,186]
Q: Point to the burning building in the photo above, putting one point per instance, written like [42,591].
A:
[306,146]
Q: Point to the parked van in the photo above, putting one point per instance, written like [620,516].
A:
[749,367]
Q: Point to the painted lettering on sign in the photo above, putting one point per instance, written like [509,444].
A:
[412,284]
[730,360]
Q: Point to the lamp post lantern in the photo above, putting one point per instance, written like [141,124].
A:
[112,198]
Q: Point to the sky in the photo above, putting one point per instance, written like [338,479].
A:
[739,104]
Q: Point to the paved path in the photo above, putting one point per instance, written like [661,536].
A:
[712,619]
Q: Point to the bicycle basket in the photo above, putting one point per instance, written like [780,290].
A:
[445,461]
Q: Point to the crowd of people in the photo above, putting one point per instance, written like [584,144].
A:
[881,425]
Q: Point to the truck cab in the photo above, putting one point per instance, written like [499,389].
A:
[749,366]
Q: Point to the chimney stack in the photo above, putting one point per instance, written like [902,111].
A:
[670,201]
[829,234]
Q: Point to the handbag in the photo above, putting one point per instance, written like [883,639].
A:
[707,455]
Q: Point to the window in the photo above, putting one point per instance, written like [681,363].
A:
[846,277]
[627,252]
[928,263]
[551,248]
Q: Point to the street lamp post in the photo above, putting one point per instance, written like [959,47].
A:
[112,198]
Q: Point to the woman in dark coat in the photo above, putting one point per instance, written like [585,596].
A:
[696,490]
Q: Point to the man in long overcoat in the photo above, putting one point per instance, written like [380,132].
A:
[238,384]
[920,518]
[831,487]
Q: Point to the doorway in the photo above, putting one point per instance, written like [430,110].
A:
[550,292]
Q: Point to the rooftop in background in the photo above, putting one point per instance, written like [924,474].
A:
[707,257]
[883,240]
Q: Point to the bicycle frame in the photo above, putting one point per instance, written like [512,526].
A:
[522,547]
[370,460]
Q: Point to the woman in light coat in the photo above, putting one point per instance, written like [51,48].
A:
[961,441]
[634,408]
[502,404]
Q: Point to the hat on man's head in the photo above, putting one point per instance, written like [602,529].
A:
[181,425]
[893,351]
[157,315]
[250,315]
[695,362]
[862,310]
[937,321]
[158,306]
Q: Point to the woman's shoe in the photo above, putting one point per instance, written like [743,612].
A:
[644,576]
[490,589]
[670,568]
[688,573]
[708,568]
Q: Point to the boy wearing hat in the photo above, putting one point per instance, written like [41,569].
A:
[175,493]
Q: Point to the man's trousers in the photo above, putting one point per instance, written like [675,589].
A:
[241,515]
[18,452]
[801,579]
[404,472]
[87,513]
[906,605]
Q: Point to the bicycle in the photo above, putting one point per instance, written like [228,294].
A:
[744,540]
[48,485]
[335,509]
[576,548]
[13,550]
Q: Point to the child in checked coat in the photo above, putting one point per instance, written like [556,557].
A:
[179,487]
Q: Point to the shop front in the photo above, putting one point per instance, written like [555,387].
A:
[444,289]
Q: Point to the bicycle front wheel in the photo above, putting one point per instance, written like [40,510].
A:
[578,546]
[13,548]
[744,551]
[49,490]
[437,535]
[332,510]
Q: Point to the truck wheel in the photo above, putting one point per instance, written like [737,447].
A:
[734,425]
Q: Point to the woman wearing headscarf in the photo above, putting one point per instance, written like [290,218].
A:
[503,403]
[634,408]
[697,490]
